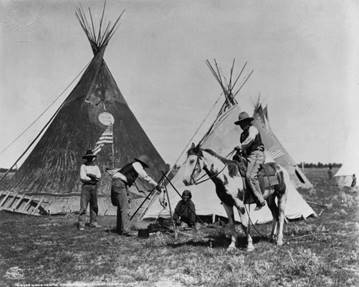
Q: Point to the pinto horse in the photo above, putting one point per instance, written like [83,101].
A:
[232,191]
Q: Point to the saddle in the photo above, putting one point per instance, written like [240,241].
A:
[268,176]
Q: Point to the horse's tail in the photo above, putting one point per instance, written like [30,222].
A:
[284,179]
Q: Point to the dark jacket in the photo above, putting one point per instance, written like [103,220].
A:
[130,173]
[185,210]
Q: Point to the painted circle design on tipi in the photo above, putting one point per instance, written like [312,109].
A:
[106,119]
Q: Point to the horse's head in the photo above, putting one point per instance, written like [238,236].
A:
[193,165]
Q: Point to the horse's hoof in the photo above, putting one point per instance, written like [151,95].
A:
[279,242]
[231,248]
[250,248]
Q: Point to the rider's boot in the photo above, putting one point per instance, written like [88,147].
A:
[257,194]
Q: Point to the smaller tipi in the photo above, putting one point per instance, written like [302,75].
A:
[276,149]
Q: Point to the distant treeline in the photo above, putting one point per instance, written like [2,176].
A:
[320,164]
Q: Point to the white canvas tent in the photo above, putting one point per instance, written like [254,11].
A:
[222,136]
[344,175]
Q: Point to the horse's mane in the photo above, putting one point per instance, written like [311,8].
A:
[233,166]
[222,158]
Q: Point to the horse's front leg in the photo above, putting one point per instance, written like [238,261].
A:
[246,228]
[243,216]
[230,216]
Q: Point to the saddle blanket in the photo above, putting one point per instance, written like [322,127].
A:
[267,176]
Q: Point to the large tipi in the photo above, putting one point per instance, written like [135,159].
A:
[222,137]
[48,180]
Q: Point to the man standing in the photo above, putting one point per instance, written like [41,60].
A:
[253,149]
[90,175]
[122,178]
[354,181]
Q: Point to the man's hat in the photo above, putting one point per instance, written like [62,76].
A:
[89,154]
[144,160]
[243,117]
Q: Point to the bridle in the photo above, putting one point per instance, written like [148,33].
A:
[198,168]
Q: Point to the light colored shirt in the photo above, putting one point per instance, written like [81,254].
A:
[86,170]
[141,174]
[252,133]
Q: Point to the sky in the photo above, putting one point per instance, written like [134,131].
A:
[304,55]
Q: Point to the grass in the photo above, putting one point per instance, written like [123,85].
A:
[321,251]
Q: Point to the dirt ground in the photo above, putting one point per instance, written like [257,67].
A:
[321,251]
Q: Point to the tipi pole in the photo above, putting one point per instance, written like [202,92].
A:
[113,148]
[196,132]
[245,81]
[169,206]
[47,108]
[184,150]
[165,176]
[170,182]
[147,197]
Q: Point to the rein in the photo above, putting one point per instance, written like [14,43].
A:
[209,177]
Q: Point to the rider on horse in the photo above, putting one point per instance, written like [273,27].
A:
[252,148]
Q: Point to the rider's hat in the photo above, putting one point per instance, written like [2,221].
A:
[242,118]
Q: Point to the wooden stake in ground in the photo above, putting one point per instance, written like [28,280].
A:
[169,206]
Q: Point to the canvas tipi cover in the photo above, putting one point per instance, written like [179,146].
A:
[51,171]
[276,149]
[222,137]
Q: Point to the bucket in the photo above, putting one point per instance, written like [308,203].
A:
[143,233]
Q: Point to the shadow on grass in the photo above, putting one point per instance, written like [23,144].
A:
[219,241]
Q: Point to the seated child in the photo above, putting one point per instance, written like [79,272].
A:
[185,210]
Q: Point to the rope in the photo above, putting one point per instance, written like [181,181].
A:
[29,146]
[210,177]
[47,108]
[251,222]
[230,153]
[218,172]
